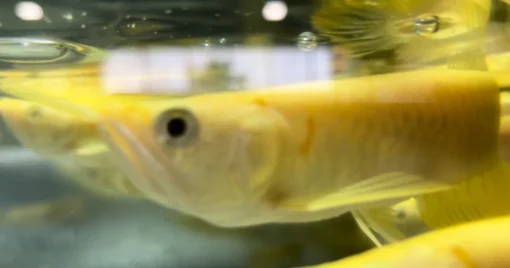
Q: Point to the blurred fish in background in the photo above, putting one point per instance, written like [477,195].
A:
[407,34]
[478,244]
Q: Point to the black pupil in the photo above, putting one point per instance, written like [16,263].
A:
[35,113]
[176,127]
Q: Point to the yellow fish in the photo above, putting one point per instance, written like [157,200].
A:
[482,244]
[277,141]
[293,154]
[418,31]
[70,142]
[395,136]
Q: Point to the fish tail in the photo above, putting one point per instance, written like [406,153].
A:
[483,196]
[361,29]
[460,36]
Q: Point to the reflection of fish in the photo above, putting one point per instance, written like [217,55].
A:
[71,142]
[294,154]
[420,31]
[47,212]
[482,244]
[83,82]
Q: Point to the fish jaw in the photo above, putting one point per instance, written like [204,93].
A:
[113,128]
[149,176]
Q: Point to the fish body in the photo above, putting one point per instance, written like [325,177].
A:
[403,220]
[293,154]
[481,197]
[248,158]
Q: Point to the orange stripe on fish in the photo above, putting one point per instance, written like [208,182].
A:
[463,257]
[261,102]
[305,148]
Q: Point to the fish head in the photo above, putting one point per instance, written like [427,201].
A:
[208,157]
[43,129]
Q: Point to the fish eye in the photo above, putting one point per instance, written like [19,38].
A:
[33,112]
[177,127]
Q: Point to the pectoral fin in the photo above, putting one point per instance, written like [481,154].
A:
[365,228]
[382,221]
[383,189]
